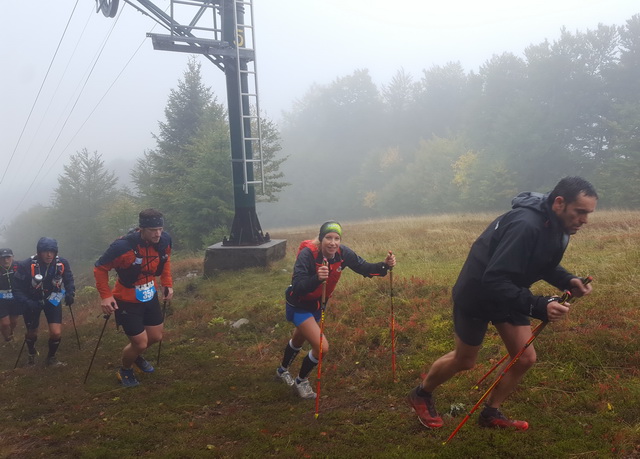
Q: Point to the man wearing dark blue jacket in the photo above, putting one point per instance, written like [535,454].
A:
[521,247]
[42,282]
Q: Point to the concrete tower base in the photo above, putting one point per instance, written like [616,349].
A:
[219,256]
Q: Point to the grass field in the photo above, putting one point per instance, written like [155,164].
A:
[214,393]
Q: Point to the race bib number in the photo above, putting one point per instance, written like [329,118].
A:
[6,295]
[56,297]
[145,292]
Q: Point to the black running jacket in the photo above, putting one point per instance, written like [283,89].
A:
[518,248]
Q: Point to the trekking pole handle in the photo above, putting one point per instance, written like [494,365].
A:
[585,281]
[325,262]
[567,295]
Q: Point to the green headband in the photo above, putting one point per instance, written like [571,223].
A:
[330,227]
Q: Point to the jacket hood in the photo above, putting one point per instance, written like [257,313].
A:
[46,244]
[532,200]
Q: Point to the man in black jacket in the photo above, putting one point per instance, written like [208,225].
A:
[521,247]
[42,282]
[10,309]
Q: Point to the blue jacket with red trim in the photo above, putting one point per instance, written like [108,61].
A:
[305,291]
[25,293]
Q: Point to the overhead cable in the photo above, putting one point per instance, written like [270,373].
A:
[42,163]
[39,91]
[64,73]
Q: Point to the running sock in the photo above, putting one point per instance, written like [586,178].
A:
[308,364]
[31,345]
[488,411]
[290,353]
[423,393]
[53,346]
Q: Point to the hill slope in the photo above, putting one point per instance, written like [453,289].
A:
[214,393]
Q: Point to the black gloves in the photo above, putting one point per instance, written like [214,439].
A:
[68,299]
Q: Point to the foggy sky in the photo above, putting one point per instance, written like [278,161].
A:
[298,43]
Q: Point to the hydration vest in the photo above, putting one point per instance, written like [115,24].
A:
[56,280]
[129,276]
[7,276]
[335,271]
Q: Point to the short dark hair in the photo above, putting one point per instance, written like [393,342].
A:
[570,188]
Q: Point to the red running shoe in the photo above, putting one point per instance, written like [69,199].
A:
[500,421]
[425,408]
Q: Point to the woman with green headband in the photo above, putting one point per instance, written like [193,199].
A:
[318,267]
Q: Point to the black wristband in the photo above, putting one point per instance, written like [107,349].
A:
[538,307]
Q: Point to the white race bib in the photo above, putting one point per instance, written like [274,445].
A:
[56,297]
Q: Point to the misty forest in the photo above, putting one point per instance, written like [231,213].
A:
[443,141]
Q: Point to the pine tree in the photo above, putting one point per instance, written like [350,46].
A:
[84,190]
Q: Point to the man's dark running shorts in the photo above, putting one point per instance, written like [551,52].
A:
[133,317]
[471,330]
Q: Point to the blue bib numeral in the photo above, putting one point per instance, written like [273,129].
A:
[145,292]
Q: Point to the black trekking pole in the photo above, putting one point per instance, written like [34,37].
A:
[164,313]
[20,353]
[393,326]
[106,319]
[74,327]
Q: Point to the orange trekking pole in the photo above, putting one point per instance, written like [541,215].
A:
[537,330]
[563,299]
[495,383]
[324,306]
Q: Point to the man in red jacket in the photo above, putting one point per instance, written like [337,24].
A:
[138,258]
